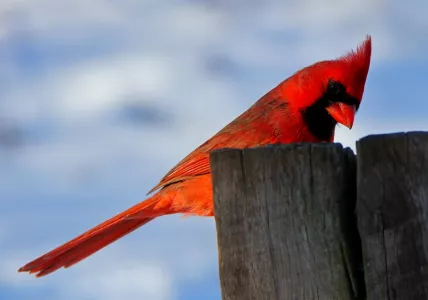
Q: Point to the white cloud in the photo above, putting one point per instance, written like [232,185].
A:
[127,280]
[114,278]
[89,89]
[50,16]
[332,26]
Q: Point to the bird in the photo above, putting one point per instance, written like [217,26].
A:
[305,107]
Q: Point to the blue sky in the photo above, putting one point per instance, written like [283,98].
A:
[100,98]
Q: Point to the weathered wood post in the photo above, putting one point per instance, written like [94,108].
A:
[285,223]
[392,209]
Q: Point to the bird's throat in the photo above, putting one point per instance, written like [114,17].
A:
[319,122]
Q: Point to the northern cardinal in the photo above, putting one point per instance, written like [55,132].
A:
[303,108]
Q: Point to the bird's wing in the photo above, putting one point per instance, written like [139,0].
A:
[253,128]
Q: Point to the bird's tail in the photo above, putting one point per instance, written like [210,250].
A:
[94,239]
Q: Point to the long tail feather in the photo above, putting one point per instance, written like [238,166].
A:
[94,239]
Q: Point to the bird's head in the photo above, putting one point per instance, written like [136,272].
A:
[330,92]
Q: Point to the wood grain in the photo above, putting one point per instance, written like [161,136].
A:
[285,223]
[392,209]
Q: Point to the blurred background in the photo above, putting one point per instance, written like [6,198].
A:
[100,98]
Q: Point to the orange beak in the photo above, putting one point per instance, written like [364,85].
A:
[342,113]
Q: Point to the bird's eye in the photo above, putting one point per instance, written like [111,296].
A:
[335,87]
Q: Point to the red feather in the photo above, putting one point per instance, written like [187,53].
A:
[291,112]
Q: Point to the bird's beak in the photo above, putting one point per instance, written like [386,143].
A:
[342,113]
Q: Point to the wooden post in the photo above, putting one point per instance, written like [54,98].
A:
[392,209]
[285,223]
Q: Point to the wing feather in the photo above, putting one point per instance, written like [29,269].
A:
[255,127]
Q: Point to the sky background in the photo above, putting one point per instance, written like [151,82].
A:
[100,98]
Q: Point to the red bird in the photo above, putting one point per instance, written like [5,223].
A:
[303,108]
